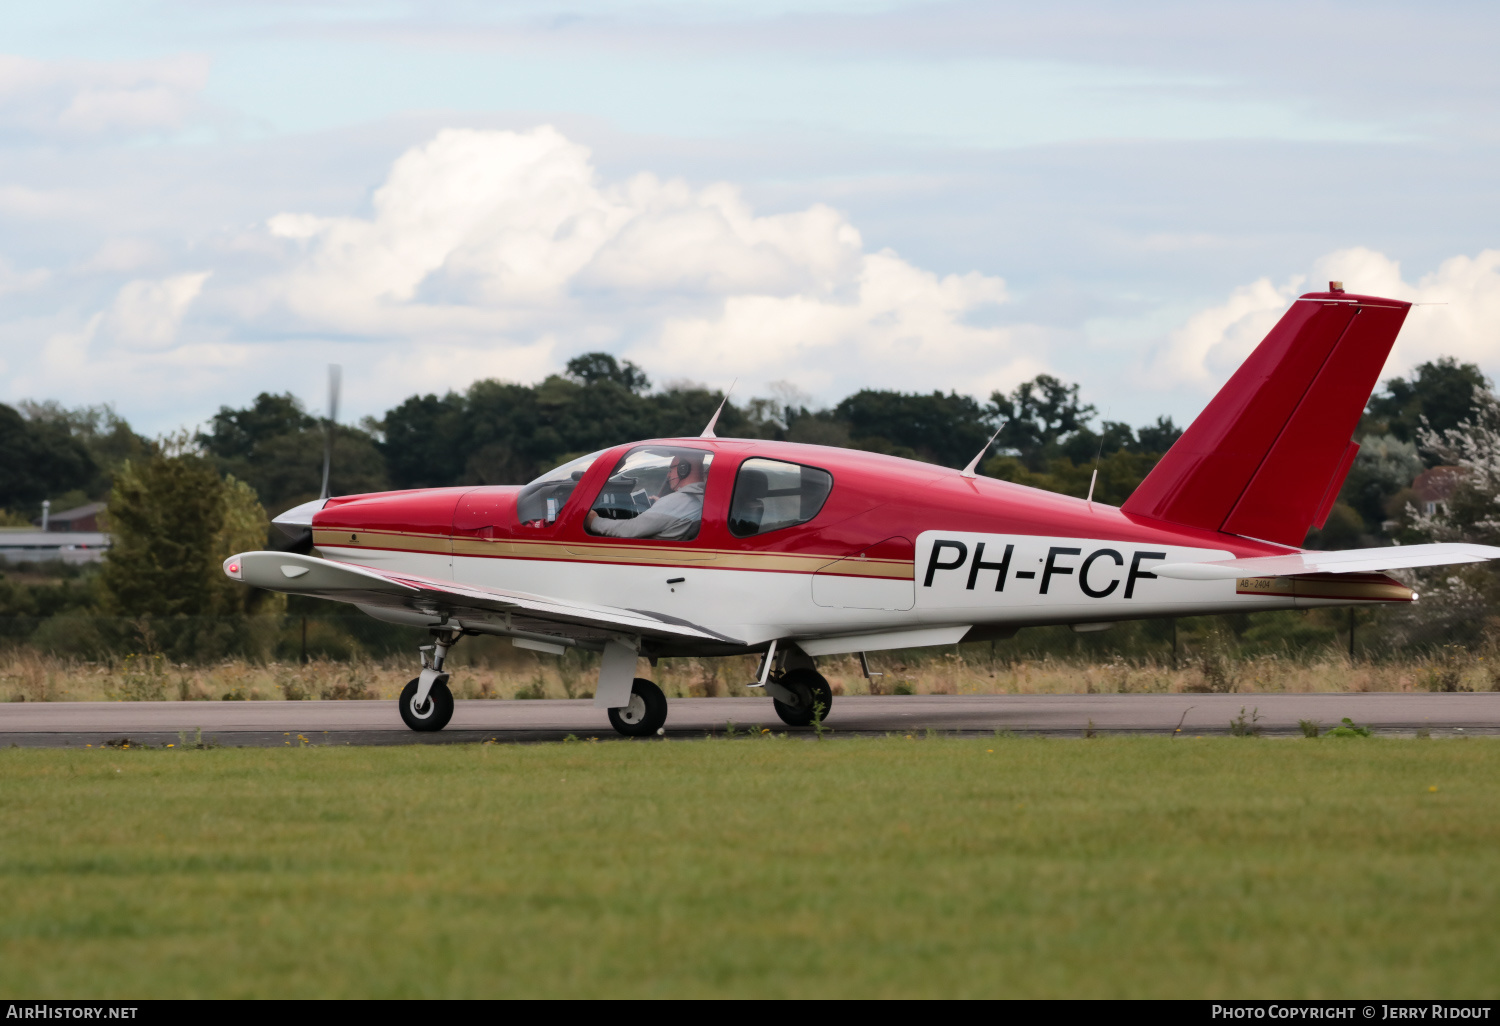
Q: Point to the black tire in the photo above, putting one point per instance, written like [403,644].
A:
[812,690]
[437,711]
[645,714]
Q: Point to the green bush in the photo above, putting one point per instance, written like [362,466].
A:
[76,635]
[1348,729]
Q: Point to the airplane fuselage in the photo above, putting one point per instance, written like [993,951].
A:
[898,547]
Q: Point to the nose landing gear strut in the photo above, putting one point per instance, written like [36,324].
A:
[426,702]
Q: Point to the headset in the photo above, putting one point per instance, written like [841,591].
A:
[683,466]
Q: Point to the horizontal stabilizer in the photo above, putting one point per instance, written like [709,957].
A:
[1350,561]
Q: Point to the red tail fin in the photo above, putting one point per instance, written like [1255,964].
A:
[1268,455]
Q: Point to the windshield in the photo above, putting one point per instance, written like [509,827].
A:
[541,501]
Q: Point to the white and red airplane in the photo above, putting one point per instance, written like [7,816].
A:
[714,546]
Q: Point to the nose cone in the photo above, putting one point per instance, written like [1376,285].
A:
[299,517]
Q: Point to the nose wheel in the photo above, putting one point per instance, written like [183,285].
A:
[431,714]
[813,697]
[645,713]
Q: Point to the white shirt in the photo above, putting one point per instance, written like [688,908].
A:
[673,518]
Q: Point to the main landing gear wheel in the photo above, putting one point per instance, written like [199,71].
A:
[646,712]
[433,714]
[812,691]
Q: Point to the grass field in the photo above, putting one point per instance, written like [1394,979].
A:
[756,866]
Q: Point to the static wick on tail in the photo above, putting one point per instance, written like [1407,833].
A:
[335,375]
[708,432]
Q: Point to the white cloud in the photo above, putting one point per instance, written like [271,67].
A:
[90,99]
[898,317]
[12,280]
[146,314]
[1461,312]
[120,255]
[495,234]
[478,218]
[1208,348]
[1458,315]
[502,254]
[24,203]
[129,353]
[517,222]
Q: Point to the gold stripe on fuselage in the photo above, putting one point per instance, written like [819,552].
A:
[401,540]
[585,552]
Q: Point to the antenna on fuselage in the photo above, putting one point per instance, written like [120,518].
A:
[335,375]
[708,432]
[1097,455]
[973,466]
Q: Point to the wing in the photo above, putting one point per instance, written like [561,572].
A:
[1350,561]
[423,601]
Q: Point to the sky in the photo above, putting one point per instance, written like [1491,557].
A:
[203,201]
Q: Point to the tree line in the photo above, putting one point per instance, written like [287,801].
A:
[503,433]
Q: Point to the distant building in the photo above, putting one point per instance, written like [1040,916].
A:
[28,546]
[83,518]
[1435,486]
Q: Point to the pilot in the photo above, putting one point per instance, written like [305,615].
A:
[676,514]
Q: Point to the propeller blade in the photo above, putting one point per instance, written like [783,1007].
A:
[335,380]
[335,377]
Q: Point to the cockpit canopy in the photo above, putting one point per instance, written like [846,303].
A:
[640,478]
[768,494]
[655,491]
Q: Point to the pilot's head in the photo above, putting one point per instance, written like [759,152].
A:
[683,471]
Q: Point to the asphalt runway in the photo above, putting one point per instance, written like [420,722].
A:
[75,724]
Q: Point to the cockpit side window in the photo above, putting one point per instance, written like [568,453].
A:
[542,500]
[655,491]
[770,495]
